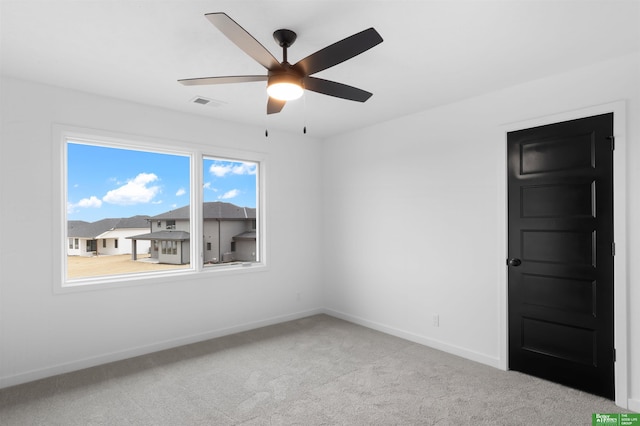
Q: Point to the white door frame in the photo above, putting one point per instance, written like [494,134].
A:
[621,284]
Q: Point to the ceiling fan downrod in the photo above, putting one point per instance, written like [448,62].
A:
[285,38]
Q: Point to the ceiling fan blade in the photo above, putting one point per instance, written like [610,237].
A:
[274,105]
[339,90]
[339,52]
[241,38]
[223,80]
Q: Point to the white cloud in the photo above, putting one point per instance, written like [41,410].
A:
[229,194]
[208,186]
[71,208]
[92,201]
[135,191]
[221,168]
[245,169]
[180,192]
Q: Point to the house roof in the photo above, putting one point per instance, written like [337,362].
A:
[140,221]
[81,229]
[169,235]
[212,210]
[73,224]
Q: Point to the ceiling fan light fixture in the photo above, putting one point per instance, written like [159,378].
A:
[284,91]
[284,87]
[287,82]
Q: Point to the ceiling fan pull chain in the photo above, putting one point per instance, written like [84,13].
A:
[304,109]
[266,127]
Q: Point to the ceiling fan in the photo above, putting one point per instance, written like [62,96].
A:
[285,81]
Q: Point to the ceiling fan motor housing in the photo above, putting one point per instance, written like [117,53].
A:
[285,75]
[285,84]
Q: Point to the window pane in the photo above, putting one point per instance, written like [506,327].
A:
[123,195]
[229,212]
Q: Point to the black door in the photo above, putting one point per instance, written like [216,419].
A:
[561,253]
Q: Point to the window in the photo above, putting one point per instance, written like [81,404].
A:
[112,189]
[155,196]
[230,200]
[169,247]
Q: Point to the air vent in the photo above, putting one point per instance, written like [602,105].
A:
[200,100]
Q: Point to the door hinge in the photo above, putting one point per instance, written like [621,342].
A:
[613,142]
[613,249]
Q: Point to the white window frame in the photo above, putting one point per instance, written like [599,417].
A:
[196,153]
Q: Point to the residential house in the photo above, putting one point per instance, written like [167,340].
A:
[106,236]
[229,234]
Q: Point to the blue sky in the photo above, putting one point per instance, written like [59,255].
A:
[110,183]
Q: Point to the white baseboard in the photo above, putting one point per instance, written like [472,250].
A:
[80,364]
[416,338]
[634,405]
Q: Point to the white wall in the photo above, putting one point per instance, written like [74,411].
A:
[124,243]
[414,221]
[43,333]
[411,218]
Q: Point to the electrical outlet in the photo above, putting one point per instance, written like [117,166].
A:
[436,320]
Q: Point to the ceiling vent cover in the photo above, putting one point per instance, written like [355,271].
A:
[200,100]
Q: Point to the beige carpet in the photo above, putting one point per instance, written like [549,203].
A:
[314,371]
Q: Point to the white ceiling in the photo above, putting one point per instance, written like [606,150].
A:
[434,52]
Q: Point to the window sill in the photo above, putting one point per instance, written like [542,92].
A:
[155,278]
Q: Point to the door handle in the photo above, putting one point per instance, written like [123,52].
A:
[514,261]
